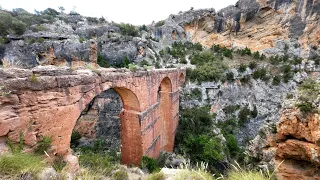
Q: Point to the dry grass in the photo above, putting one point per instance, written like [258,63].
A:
[7,63]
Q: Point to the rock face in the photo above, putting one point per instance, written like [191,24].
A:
[292,146]
[47,101]
[298,141]
[265,98]
[271,27]
[70,39]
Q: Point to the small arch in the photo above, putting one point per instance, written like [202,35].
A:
[166,85]
[129,99]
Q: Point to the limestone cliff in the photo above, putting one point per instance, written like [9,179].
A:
[292,146]
[272,27]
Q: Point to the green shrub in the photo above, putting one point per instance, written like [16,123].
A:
[5,23]
[150,164]
[16,149]
[232,145]
[297,60]
[99,162]
[157,176]
[242,67]
[260,73]
[249,175]
[197,47]
[159,23]
[230,76]
[102,62]
[254,112]
[245,51]
[243,115]
[309,90]
[208,67]
[228,127]
[14,165]
[289,96]
[227,52]
[192,174]
[128,30]
[276,80]
[40,40]
[39,28]
[144,63]
[19,27]
[245,79]
[157,65]
[43,145]
[183,61]
[34,78]
[133,67]
[75,136]
[256,55]
[81,39]
[286,77]
[274,60]
[285,58]
[253,65]
[124,63]
[286,68]
[231,109]
[203,148]
[121,174]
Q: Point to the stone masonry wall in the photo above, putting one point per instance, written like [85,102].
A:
[47,101]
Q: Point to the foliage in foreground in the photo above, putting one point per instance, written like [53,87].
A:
[16,164]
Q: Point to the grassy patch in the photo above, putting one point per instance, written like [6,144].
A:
[43,145]
[15,164]
[121,174]
[157,176]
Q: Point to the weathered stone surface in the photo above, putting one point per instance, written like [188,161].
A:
[306,128]
[50,103]
[265,26]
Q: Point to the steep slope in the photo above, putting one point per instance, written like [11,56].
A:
[271,27]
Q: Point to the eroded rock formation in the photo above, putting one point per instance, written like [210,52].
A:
[271,27]
[292,146]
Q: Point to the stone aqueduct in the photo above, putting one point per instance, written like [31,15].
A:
[47,101]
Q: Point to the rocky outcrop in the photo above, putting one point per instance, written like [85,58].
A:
[292,146]
[70,39]
[298,145]
[271,27]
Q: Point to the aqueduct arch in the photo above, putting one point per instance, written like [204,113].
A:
[51,106]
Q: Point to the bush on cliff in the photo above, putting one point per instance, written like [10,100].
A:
[128,29]
[309,91]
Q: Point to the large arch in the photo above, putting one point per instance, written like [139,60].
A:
[130,128]
[165,100]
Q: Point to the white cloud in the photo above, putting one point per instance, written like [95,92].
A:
[128,11]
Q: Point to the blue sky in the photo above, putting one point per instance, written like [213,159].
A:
[135,12]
